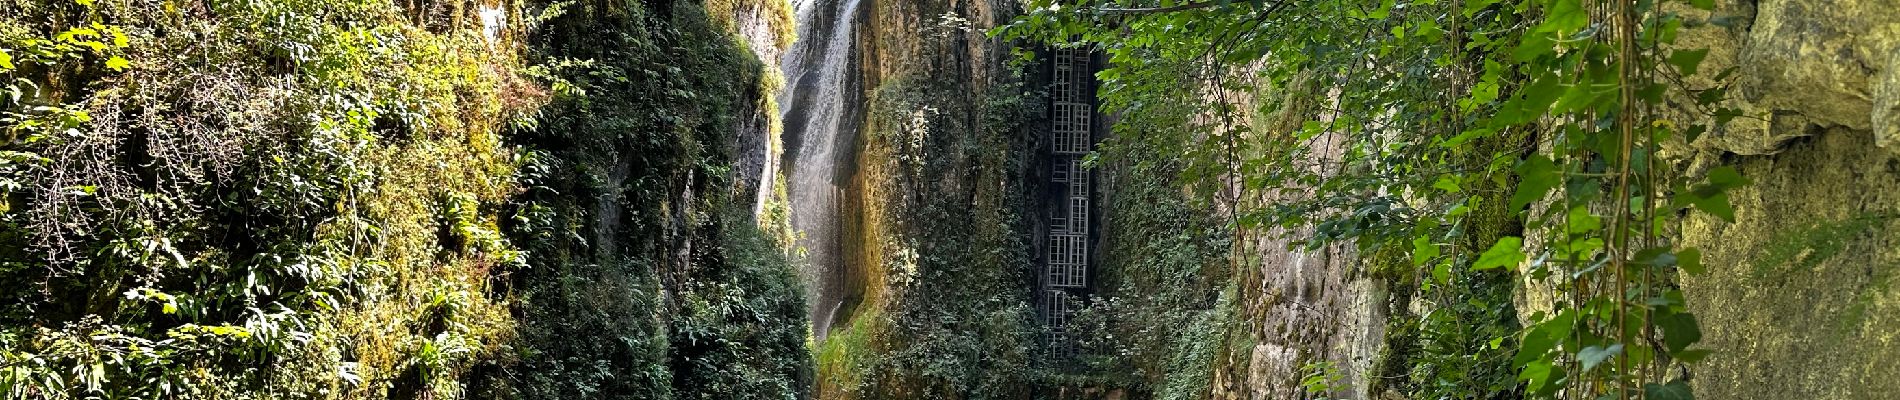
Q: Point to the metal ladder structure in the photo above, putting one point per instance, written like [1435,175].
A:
[1065,268]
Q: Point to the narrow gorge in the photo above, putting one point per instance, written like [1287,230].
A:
[950,199]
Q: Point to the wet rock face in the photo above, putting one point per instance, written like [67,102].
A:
[823,107]
[1798,301]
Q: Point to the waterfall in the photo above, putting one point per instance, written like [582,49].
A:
[821,121]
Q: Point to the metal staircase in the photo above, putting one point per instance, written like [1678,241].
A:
[1065,267]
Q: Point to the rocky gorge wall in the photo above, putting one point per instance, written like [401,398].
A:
[1798,301]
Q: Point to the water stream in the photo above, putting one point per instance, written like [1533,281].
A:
[822,112]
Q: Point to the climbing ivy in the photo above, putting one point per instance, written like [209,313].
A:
[1512,147]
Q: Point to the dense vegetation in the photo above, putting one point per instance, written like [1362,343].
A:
[325,199]
[1441,131]
[554,199]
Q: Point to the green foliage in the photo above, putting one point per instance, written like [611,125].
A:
[954,321]
[1164,303]
[647,281]
[334,199]
[1501,141]
[220,200]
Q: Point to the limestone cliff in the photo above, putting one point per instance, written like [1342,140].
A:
[1798,301]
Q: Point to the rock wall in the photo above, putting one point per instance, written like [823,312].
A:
[1798,300]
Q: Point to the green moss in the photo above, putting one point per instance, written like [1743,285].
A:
[1802,247]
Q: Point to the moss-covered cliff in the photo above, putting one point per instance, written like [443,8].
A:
[1797,301]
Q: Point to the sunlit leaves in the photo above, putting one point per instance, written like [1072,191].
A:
[1564,17]
[1508,252]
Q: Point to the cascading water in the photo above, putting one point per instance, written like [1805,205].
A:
[821,116]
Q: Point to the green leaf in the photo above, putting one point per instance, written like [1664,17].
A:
[1533,45]
[1690,261]
[1508,252]
[1725,177]
[1580,220]
[1703,4]
[1448,183]
[1687,61]
[6,60]
[1594,355]
[1674,390]
[1679,331]
[1692,356]
[118,63]
[1423,250]
[1543,337]
[1539,176]
[1716,205]
[1384,11]
[1472,6]
[1566,16]
[1655,257]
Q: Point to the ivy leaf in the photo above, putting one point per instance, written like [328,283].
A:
[1472,6]
[1538,376]
[1580,220]
[1423,250]
[1534,45]
[1539,176]
[1692,356]
[1384,10]
[1544,336]
[118,63]
[1566,16]
[1687,61]
[1679,331]
[1447,183]
[1725,177]
[1717,205]
[1656,257]
[1594,355]
[1674,390]
[1690,261]
[1507,252]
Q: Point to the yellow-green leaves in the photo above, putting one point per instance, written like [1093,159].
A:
[1565,16]
[117,63]
[6,60]
[1508,252]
